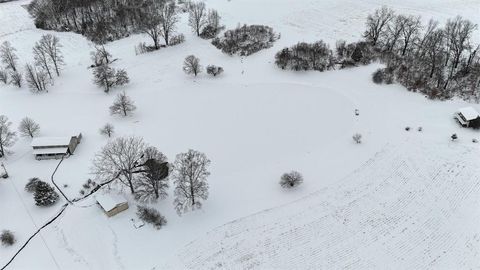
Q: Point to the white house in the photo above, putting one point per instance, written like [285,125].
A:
[54,147]
[465,115]
[112,204]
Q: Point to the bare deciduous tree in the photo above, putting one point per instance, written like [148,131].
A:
[42,60]
[119,159]
[50,44]
[291,179]
[152,183]
[191,65]
[197,16]
[122,105]
[411,29]
[8,56]
[377,24]
[16,78]
[37,80]
[7,137]
[28,128]
[190,178]
[107,130]
[357,138]
[104,76]
[168,20]
[3,76]
[100,56]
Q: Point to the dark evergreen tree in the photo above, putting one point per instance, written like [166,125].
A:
[45,195]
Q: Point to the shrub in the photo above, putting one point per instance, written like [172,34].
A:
[178,39]
[454,136]
[32,184]
[420,129]
[214,70]
[475,123]
[378,76]
[246,40]
[357,138]
[3,76]
[407,128]
[45,195]
[7,238]
[306,56]
[152,216]
[474,140]
[291,179]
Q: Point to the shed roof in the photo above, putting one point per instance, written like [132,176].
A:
[52,150]
[50,141]
[469,113]
[109,201]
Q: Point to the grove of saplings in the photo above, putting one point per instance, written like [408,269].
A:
[440,62]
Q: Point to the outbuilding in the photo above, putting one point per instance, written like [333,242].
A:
[112,204]
[54,147]
[465,115]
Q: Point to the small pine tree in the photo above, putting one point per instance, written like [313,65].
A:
[7,238]
[45,195]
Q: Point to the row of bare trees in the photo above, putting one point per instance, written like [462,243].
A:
[48,61]
[440,61]
[145,171]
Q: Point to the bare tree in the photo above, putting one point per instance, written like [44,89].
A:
[122,105]
[168,19]
[42,60]
[3,76]
[37,80]
[191,65]
[411,29]
[119,159]
[151,26]
[100,56]
[104,76]
[108,130]
[16,78]
[51,46]
[291,179]
[394,31]
[377,24]
[197,16]
[213,19]
[190,178]
[357,138]
[8,56]
[7,137]
[152,183]
[28,128]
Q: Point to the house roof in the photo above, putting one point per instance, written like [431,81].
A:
[109,201]
[52,150]
[469,113]
[50,141]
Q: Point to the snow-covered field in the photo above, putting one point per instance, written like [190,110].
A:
[400,200]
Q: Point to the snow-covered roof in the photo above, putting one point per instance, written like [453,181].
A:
[53,150]
[469,113]
[50,141]
[110,201]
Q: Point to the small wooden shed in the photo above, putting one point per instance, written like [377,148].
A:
[112,204]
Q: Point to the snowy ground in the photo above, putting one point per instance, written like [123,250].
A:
[410,197]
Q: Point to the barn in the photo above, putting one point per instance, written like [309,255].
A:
[465,115]
[112,204]
[54,147]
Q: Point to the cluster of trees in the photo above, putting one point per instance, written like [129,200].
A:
[191,66]
[145,171]
[318,56]
[48,61]
[204,23]
[104,75]
[99,20]
[246,40]
[440,62]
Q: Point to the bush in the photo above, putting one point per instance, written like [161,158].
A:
[291,179]
[246,40]
[306,56]
[407,128]
[475,123]
[178,39]
[357,138]
[214,70]
[45,195]
[152,216]
[7,238]
[474,140]
[3,76]
[420,129]
[378,76]
[32,184]
[454,136]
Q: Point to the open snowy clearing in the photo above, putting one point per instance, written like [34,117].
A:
[254,122]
